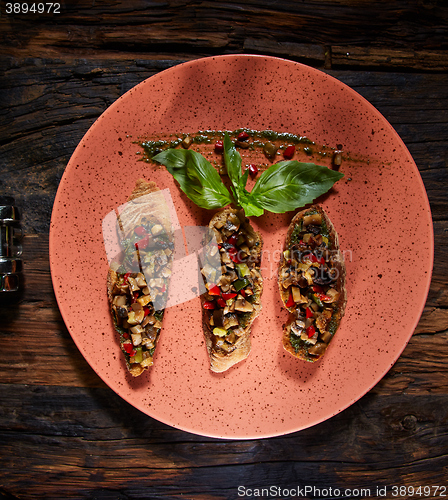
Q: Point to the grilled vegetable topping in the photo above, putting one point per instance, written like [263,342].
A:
[308,283]
[233,281]
[135,318]
[140,291]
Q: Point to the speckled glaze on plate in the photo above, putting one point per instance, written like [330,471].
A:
[382,216]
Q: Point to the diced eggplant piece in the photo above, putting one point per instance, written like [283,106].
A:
[318,349]
[312,219]
[136,338]
[218,317]
[242,305]
[297,297]
[230,320]
[119,300]
[122,312]
[133,286]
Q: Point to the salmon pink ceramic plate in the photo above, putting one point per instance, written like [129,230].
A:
[380,210]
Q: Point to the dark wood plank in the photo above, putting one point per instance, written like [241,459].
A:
[87,441]
[393,35]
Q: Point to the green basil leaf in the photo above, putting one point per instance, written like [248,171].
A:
[288,185]
[196,177]
[232,161]
[250,205]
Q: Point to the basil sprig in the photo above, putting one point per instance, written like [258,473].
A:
[196,177]
[283,187]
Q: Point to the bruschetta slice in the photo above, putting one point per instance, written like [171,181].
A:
[137,281]
[230,269]
[311,281]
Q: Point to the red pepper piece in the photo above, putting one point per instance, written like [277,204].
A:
[219,146]
[318,289]
[214,290]
[128,347]
[323,297]
[140,231]
[146,310]
[289,152]
[233,253]
[319,260]
[143,243]
[310,331]
[290,302]
[309,313]
[253,170]
[209,304]
[243,293]
[232,240]
[243,136]
[221,302]
[126,276]
[126,335]
[229,295]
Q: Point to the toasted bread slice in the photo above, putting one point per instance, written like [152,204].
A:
[137,283]
[312,284]
[231,272]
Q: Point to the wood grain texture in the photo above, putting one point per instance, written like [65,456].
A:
[63,432]
[396,34]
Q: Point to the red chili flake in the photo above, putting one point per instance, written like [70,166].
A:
[219,146]
[146,310]
[214,290]
[126,335]
[221,302]
[309,313]
[126,276]
[209,304]
[289,152]
[253,170]
[243,136]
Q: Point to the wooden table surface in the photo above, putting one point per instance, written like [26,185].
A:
[63,433]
